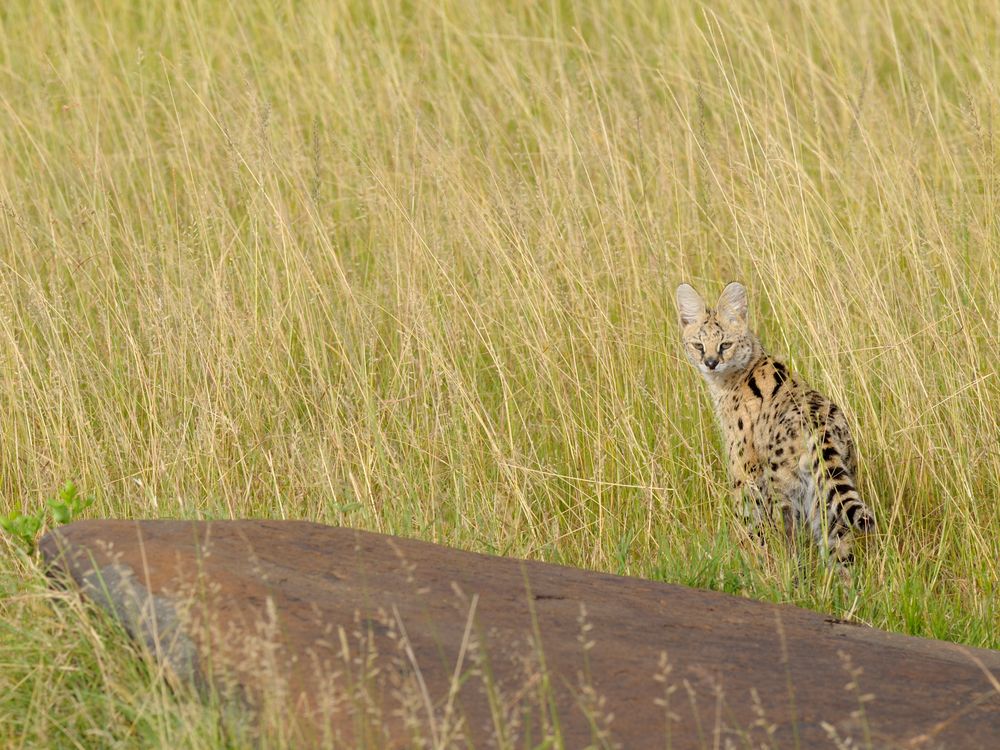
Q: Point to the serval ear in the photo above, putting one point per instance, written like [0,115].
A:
[733,303]
[690,305]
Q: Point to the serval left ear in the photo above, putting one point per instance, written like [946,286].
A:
[733,303]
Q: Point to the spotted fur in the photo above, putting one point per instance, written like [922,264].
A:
[791,457]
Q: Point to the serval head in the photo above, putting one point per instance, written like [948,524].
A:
[718,342]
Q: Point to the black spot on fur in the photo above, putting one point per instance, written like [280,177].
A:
[754,388]
[780,376]
[838,472]
[844,488]
[829,453]
[739,423]
[779,452]
[865,522]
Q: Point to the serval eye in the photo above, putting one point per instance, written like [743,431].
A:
[699,347]
[725,345]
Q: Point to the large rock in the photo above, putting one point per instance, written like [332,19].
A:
[374,640]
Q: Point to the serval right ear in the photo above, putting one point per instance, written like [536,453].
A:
[690,305]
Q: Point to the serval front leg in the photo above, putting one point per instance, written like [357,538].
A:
[752,504]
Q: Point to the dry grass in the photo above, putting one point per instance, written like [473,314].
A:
[409,267]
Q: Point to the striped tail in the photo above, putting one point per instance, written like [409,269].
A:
[844,512]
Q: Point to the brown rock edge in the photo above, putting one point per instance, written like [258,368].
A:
[350,637]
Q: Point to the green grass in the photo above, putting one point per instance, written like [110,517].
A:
[410,267]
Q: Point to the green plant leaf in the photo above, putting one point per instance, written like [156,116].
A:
[22,527]
[60,512]
[347,507]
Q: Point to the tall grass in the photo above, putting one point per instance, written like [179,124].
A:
[409,267]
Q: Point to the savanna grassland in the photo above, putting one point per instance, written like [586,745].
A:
[410,266]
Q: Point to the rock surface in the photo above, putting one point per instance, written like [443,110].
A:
[357,638]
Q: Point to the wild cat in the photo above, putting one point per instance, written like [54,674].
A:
[790,450]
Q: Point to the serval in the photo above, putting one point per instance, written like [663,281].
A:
[791,456]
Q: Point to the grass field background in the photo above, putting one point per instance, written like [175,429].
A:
[410,266]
